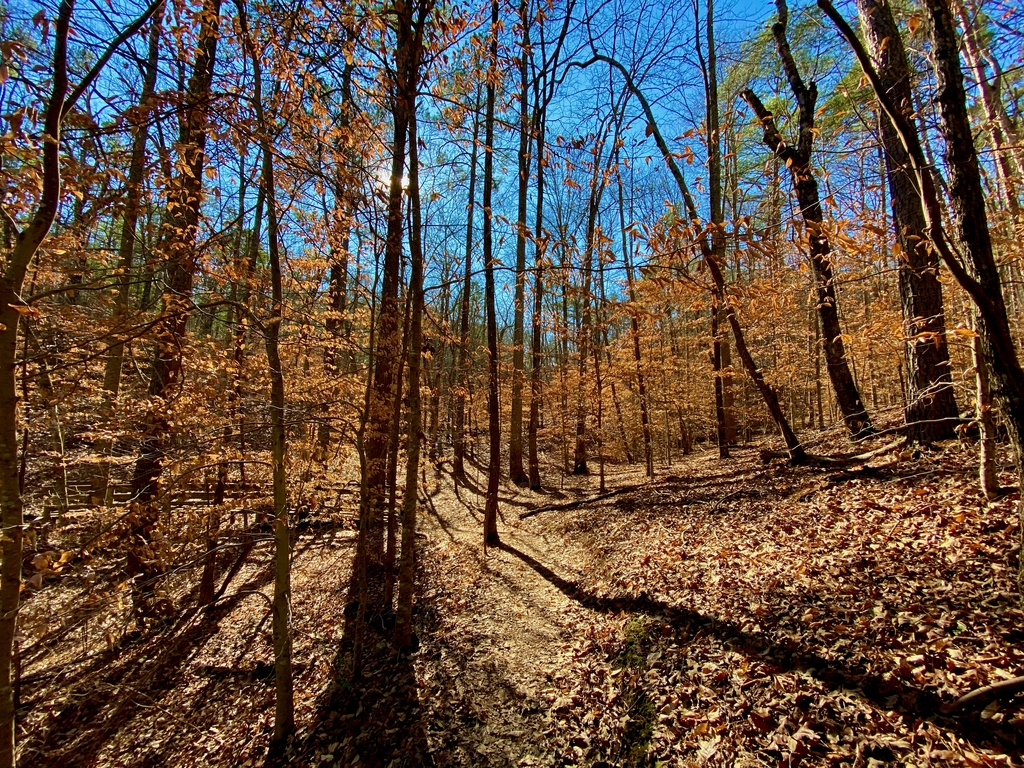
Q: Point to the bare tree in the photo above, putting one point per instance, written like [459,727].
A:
[798,158]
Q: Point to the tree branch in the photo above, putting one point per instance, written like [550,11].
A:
[101,62]
[925,184]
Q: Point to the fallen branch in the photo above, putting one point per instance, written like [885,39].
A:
[725,498]
[580,502]
[816,460]
[1004,689]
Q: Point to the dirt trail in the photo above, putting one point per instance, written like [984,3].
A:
[506,626]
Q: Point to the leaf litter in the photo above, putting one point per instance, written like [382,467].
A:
[730,613]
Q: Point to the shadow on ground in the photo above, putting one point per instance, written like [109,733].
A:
[885,692]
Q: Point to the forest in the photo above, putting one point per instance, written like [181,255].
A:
[552,382]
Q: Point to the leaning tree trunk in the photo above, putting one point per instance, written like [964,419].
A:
[971,234]
[931,412]
[798,159]
[1009,155]
[716,366]
[796,451]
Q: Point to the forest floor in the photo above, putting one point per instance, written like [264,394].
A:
[730,613]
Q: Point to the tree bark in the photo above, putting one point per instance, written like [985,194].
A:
[11,506]
[517,474]
[126,248]
[26,244]
[634,330]
[988,473]
[284,708]
[181,229]
[931,413]
[459,440]
[370,549]
[1009,155]
[709,70]
[493,405]
[973,262]
[540,241]
[407,565]
[544,82]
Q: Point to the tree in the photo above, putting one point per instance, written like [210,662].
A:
[931,413]
[796,451]
[798,159]
[181,229]
[544,87]
[517,474]
[709,70]
[27,242]
[969,257]
[386,353]
[284,709]
[493,405]
[407,568]
[459,438]
[129,225]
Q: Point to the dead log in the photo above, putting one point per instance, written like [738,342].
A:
[580,502]
[833,462]
[980,697]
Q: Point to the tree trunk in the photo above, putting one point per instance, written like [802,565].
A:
[407,566]
[284,709]
[459,439]
[27,243]
[634,332]
[716,365]
[181,230]
[988,473]
[370,549]
[798,159]
[1009,155]
[771,401]
[11,506]
[592,244]
[493,406]
[126,248]
[517,474]
[971,234]
[540,241]
[394,444]
[932,411]
[726,427]
[973,264]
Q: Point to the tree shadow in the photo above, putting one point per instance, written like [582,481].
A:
[887,693]
[376,718]
[139,671]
